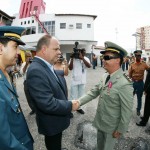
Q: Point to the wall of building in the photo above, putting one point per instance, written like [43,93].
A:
[73,33]
[143,39]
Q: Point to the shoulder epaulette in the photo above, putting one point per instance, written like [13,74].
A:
[132,62]
[143,61]
[127,77]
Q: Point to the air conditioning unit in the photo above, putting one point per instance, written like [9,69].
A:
[70,26]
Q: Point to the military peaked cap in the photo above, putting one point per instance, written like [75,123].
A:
[138,52]
[13,33]
[112,47]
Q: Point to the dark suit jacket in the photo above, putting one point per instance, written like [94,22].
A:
[147,83]
[49,99]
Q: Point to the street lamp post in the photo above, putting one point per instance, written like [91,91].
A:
[136,35]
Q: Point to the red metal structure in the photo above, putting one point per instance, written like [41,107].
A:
[30,8]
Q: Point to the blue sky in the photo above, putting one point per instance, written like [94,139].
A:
[116,20]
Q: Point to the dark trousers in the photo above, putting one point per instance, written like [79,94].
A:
[94,64]
[123,66]
[146,109]
[28,96]
[53,142]
[138,89]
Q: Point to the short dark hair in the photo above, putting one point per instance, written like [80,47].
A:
[45,40]
[4,41]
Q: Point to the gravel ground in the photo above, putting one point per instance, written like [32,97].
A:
[70,134]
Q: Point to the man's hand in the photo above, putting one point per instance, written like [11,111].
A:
[72,55]
[116,134]
[80,55]
[75,105]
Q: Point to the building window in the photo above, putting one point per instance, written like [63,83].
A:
[28,21]
[49,26]
[21,23]
[31,30]
[24,22]
[78,25]
[32,21]
[62,25]
[88,25]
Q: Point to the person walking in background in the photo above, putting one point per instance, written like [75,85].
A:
[136,72]
[123,64]
[48,94]
[78,66]
[115,103]
[146,115]
[14,132]
[61,69]
[94,61]
[127,62]
[101,60]
[24,67]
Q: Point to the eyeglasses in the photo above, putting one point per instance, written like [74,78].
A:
[107,57]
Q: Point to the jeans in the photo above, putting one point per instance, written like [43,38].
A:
[77,91]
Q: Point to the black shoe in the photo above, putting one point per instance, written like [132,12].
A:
[142,124]
[32,112]
[141,118]
[71,115]
[80,111]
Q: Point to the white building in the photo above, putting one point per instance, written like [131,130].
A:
[143,39]
[68,28]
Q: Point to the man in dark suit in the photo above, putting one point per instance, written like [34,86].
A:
[146,115]
[48,94]
[14,132]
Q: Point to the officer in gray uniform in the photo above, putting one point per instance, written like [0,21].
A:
[115,91]
[14,132]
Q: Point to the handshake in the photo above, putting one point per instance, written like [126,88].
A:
[75,105]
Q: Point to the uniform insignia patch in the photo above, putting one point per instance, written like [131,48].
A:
[127,77]
[143,61]
[132,62]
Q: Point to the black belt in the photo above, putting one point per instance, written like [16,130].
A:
[137,80]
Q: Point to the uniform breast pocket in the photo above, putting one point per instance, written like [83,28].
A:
[112,96]
[15,106]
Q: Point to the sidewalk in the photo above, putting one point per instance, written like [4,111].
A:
[82,123]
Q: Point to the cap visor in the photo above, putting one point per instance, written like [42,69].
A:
[18,41]
[14,39]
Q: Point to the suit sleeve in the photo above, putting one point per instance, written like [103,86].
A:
[92,94]
[7,139]
[126,100]
[41,91]
[147,82]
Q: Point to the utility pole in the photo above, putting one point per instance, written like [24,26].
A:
[136,35]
